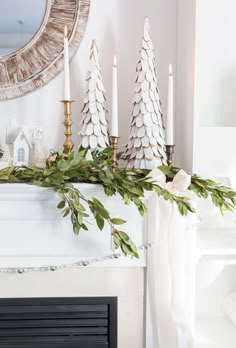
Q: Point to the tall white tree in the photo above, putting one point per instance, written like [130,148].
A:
[146,145]
[94,126]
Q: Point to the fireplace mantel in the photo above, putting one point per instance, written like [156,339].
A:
[33,232]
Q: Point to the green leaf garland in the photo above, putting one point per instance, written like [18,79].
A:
[131,184]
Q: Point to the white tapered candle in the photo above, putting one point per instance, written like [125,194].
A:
[66,67]
[114,118]
[170,110]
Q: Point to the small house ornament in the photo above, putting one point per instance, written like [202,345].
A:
[20,142]
[93,132]
[146,145]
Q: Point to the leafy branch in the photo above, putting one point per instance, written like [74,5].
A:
[222,197]
[71,203]
[131,184]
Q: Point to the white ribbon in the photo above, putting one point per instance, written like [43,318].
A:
[173,265]
[180,183]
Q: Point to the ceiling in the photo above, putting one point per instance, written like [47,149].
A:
[17,16]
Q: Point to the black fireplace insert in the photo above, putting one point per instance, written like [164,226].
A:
[84,322]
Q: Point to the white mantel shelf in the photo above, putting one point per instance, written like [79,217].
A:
[33,233]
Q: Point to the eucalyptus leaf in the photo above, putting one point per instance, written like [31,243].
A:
[117,221]
[61,205]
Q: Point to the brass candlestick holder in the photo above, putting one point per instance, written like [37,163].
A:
[170,150]
[68,144]
[114,146]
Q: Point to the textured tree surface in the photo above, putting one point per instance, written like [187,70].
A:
[38,158]
[93,133]
[146,145]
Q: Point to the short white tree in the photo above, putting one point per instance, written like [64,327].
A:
[146,145]
[94,126]
[38,158]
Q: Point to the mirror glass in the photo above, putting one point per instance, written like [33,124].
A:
[19,21]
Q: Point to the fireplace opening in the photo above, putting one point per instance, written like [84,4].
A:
[84,322]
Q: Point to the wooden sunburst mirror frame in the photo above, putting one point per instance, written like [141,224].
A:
[41,59]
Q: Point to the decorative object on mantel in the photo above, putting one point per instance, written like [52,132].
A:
[170,109]
[19,144]
[5,160]
[94,126]
[41,59]
[38,158]
[170,150]
[114,147]
[68,144]
[170,147]
[130,184]
[146,144]
[81,263]
[114,116]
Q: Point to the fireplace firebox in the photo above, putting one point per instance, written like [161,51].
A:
[85,322]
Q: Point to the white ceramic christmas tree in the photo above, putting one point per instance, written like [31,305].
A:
[146,144]
[94,126]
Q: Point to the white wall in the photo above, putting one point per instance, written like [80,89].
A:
[216,61]
[185,82]
[117,27]
[215,84]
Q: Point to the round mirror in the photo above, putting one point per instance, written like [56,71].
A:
[19,22]
[39,57]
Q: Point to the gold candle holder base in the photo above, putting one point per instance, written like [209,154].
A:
[170,150]
[114,146]
[68,144]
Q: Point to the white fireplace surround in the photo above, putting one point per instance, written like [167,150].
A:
[33,233]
